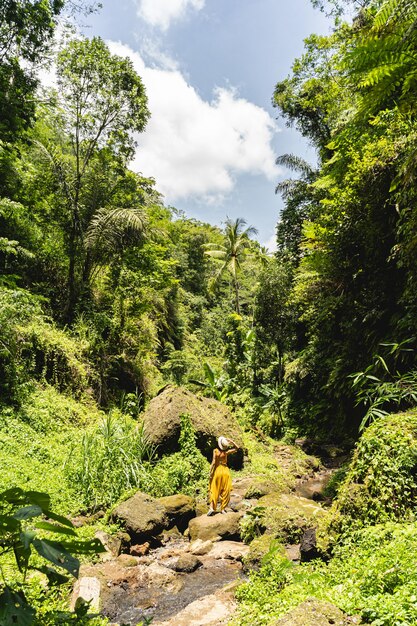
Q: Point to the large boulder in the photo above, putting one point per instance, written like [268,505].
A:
[314,612]
[180,509]
[287,516]
[142,516]
[216,527]
[210,419]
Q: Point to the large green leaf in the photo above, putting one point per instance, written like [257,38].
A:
[55,528]
[84,547]
[8,524]
[57,554]
[15,610]
[59,518]
[41,499]
[27,512]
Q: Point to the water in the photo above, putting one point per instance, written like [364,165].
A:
[127,604]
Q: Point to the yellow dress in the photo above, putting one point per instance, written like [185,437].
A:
[220,484]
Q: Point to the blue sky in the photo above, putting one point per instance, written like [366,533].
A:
[210,67]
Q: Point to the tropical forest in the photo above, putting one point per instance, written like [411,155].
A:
[136,339]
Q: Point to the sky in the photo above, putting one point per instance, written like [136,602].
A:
[210,68]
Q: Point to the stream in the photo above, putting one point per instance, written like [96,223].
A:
[149,588]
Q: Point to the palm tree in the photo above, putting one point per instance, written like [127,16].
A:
[232,252]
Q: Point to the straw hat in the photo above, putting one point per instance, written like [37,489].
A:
[223,443]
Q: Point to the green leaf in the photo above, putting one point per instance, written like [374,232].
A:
[13,496]
[84,547]
[59,518]
[55,528]
[57,554]
[27,512]
[54,577]
[41,499]
[14,609]
[8,524]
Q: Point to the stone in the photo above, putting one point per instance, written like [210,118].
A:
[87,589]
[200,547]
[140,549]
[308,547]
[216,527]
[180,509]
[185,563]
[161,576]
[126,560]
[211,610]
[112,543]
[313,612]
[209,418]
[234,550]
[292,552]
[261,488]
[258,547]
[142,516]
[286,516]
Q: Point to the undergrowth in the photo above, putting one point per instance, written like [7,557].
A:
[373,574]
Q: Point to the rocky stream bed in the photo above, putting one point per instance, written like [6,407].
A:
[187,577]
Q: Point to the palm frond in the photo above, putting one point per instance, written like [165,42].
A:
[109,228]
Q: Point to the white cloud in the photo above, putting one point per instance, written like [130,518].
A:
[162,12]
[196,148]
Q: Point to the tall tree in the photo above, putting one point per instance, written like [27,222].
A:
[103,104]
[232,252]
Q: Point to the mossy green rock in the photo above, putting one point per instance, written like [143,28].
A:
[258,548]
[286,516]
[313,612]
[142,516]
[209,418]
[180,510]
[216,527]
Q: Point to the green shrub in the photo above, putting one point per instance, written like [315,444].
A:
[112,458]
[374,573]
[381,482]
[186,471]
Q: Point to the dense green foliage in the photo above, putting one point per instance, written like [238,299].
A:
[373,575]
[106,295]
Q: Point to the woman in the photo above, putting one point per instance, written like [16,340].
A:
[220,484]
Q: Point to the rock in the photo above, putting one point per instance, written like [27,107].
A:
[180,509]
[287,516]
[142,516]
[262,488]
[200,547]
[140,549]
[160,576]
[211,610]
[185,563]
[113,544]
[258,548]
[308,547]
[209,418]
[86,589]
[292,552]
[234,550]
[126,560]
[215,527]
[313,612]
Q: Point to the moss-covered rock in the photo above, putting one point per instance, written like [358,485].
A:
[313,612]
[216,527]
[381,481]
[209,418]
[258,548]
[180,509]
[141,516]
[286,516]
